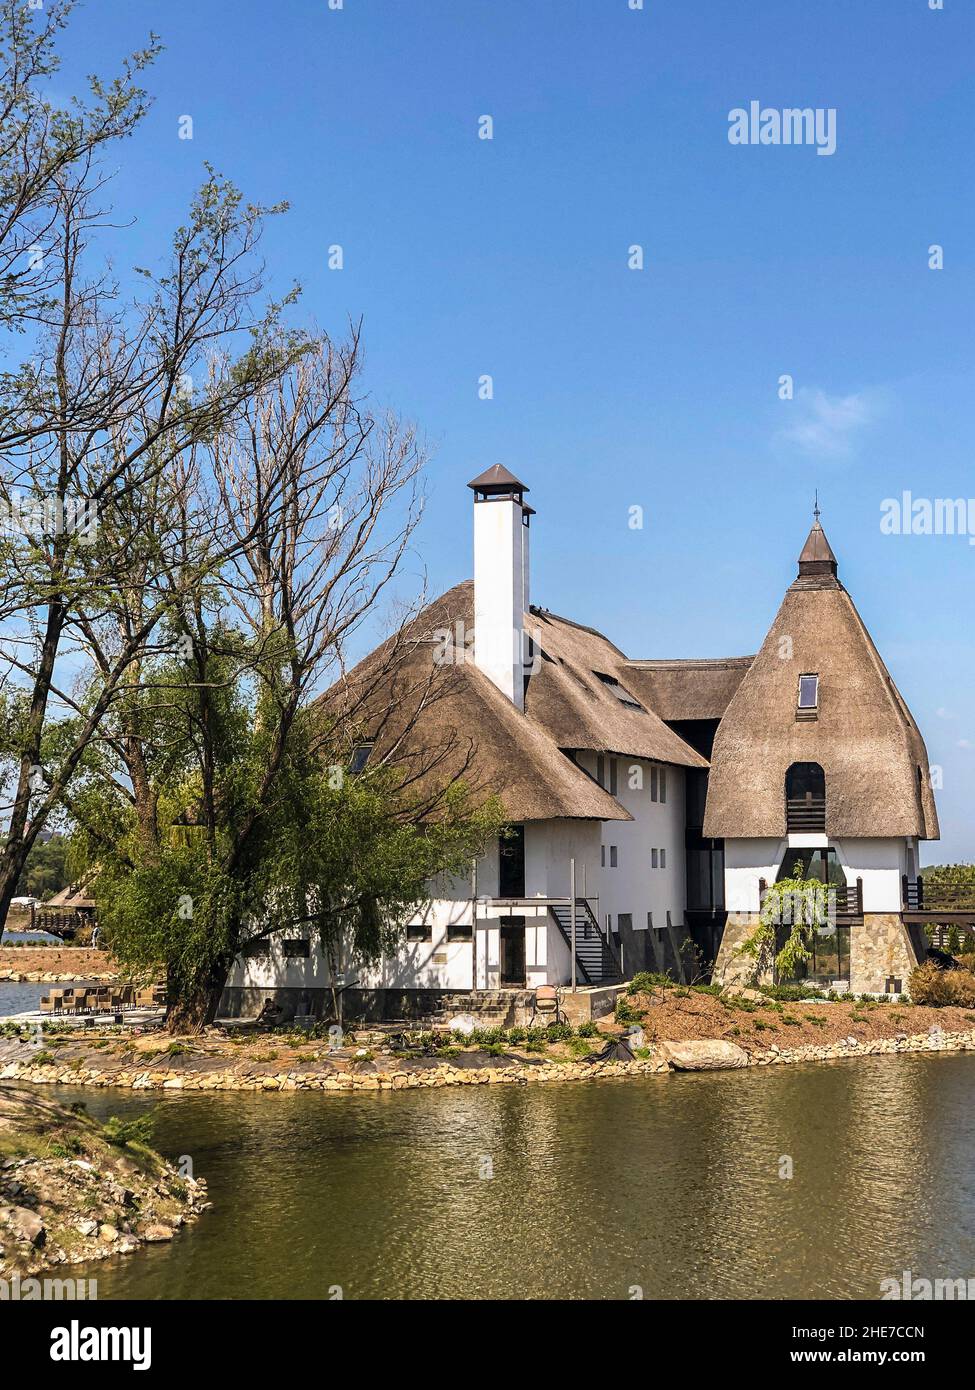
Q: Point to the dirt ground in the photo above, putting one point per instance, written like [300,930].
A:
[678,1015]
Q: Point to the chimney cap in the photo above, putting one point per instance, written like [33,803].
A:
[496,479]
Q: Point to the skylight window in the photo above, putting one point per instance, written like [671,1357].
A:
[620,691]
[808,692]
[360,756]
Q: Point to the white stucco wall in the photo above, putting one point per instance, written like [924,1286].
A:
[634,885]
[879,862]
[549,847]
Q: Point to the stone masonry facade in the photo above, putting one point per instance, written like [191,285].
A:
[883,952]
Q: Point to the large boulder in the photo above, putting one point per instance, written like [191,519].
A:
[25,1224]
[703,1055]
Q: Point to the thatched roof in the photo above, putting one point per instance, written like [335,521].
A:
[448,722]
[687,689]
[570,697]
[443,722]
[863,736]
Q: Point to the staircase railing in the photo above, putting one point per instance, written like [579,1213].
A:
[588,931]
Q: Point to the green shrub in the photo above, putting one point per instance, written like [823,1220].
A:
[646,980]
[625,1013]
[790,994]
[121,1132]
[589,1029]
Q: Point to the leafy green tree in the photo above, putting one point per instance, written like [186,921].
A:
[46,871]
[800,904]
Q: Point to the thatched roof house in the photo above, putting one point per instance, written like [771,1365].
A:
[858,730]
[423,702]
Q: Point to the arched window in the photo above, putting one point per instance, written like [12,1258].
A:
[805,797]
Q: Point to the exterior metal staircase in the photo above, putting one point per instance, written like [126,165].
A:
[596,959]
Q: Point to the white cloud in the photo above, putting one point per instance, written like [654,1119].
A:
[943,713]
[964,743]
[828,425]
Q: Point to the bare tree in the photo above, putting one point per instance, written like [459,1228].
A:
[119,392]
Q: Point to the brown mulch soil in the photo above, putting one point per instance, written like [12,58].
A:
[679,1015]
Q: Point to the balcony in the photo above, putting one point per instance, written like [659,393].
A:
[806,813]
[947,903]
[844,900]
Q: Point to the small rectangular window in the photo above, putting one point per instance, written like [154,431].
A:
[653,784]
[663,784]
[601,770]
[460,931]
[663,859]
[360,756]
[808,692]
[419,931]
[602,856]
[614,779]
[653,859]
[298,949]
[613,862]
[257,950]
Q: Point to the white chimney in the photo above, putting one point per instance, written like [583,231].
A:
[501,592]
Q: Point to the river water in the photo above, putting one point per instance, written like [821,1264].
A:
[575,1190]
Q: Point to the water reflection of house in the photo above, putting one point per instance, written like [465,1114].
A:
[660,796]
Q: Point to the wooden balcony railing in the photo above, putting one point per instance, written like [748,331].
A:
[919,896]
[805,813]
[844,901]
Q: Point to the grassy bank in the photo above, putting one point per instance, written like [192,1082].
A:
[73,1190]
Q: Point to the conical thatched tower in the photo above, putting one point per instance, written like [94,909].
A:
[817,759]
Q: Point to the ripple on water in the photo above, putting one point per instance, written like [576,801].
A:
[574,1190]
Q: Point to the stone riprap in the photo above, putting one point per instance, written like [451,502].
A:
[370,1077]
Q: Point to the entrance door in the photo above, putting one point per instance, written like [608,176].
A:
[512,952]
[511,869]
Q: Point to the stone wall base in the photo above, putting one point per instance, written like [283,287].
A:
[494,1008]
[732,967]
[883,952]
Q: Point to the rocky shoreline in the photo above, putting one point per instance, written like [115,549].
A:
[72,1191]
[49,965]
[665,1057]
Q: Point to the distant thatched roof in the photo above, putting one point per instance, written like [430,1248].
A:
[689,689]
[863,737]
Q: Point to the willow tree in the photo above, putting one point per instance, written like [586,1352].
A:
[219,806]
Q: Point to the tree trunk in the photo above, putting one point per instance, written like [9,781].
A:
[192,1004]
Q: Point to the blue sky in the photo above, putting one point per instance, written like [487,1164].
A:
[615,387]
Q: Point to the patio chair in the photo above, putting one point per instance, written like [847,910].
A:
[547,1005]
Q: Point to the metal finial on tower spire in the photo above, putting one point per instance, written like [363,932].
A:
[816,505]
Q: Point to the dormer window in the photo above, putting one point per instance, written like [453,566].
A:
[620,691]
[808,703]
